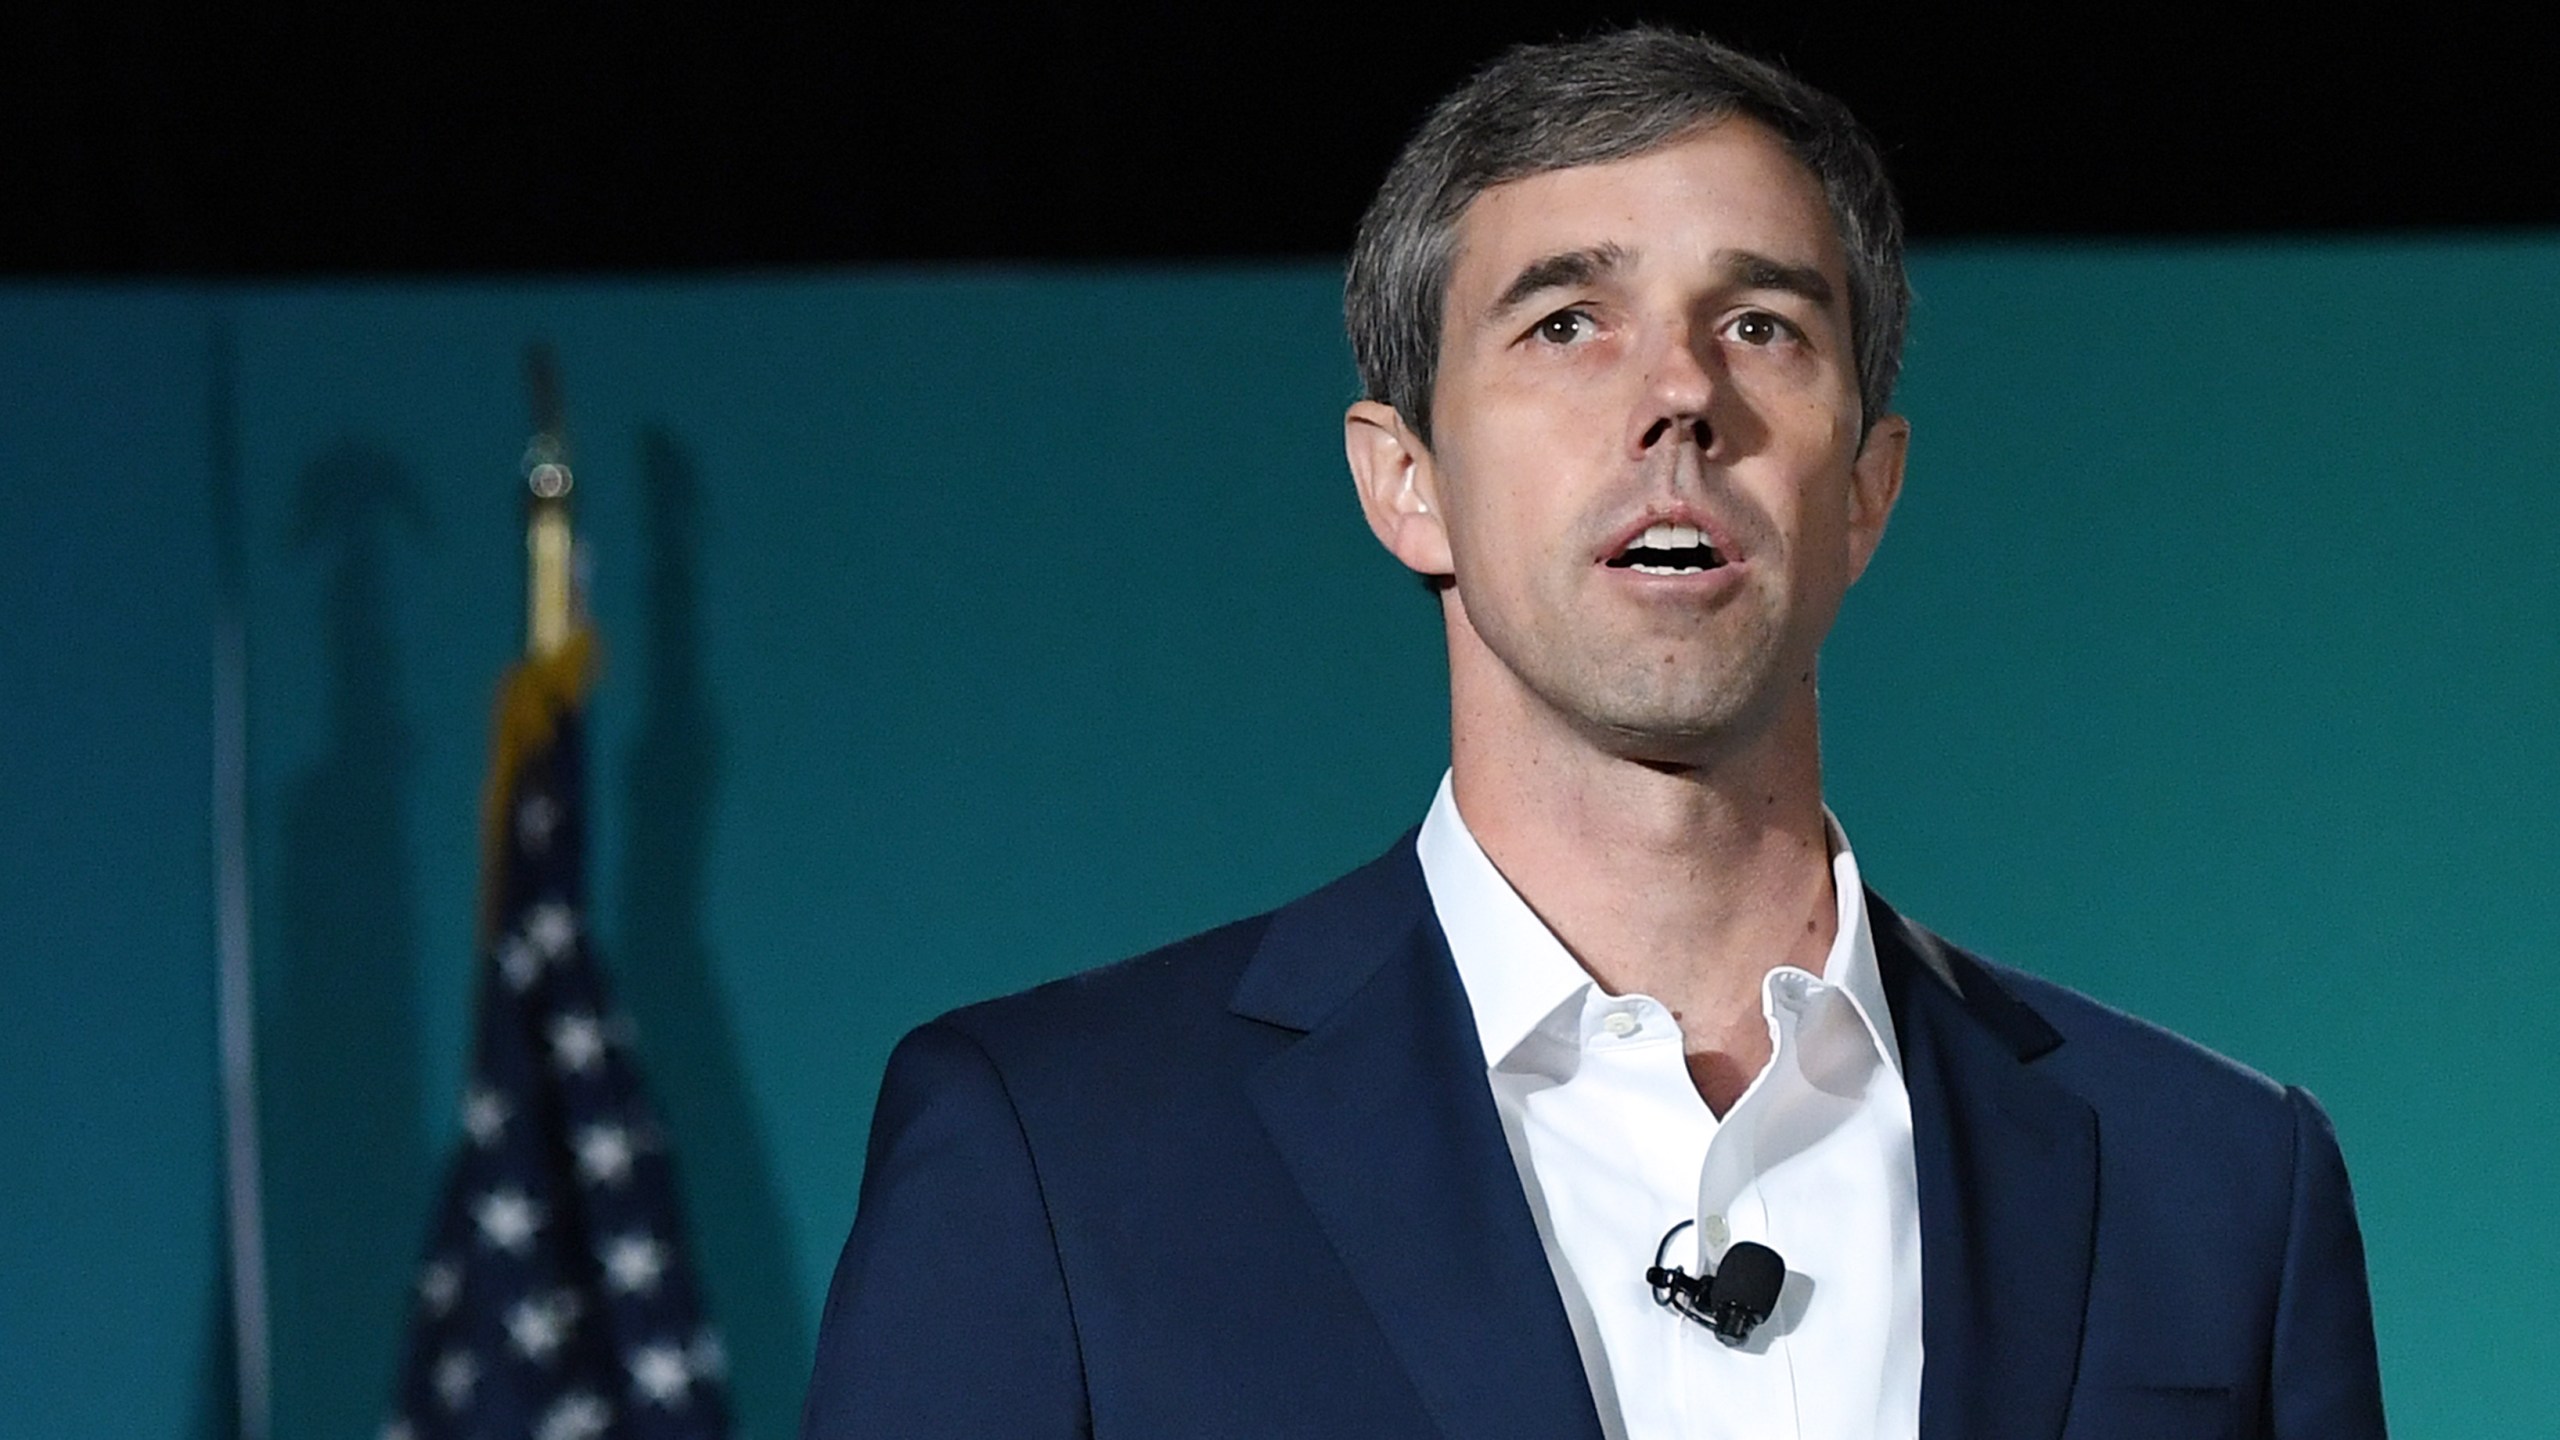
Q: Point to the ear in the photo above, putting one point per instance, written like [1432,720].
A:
[1875,482]
[1399,488]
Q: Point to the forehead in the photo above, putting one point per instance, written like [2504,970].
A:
[1731,185]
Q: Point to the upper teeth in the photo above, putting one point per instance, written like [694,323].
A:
[1663,535]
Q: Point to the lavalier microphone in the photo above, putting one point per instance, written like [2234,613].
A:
[1733,1300]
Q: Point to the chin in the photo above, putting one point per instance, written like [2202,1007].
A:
[1695,727]
[1683,742]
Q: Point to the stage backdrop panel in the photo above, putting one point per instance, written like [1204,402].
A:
[964,629]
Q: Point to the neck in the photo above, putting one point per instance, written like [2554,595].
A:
[1688,882]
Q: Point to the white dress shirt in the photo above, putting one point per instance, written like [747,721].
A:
[1615,1147]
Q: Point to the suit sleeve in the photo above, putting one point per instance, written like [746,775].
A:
[2326,1382]
[948,1314]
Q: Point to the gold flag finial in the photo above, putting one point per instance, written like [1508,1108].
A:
[551,610]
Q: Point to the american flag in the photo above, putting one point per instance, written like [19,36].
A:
[554,1302]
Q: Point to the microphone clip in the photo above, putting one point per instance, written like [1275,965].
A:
[1731,1301]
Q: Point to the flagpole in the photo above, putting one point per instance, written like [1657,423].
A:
[551,583]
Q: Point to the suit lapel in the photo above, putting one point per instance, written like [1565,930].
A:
[1383,1116]
[2007,1162]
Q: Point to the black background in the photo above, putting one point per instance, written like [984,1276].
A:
[279,139]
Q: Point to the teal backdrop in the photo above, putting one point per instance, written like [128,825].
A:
[967,628]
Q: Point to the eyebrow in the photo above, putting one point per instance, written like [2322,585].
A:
[1754,271]
[1746,269]
[1560,271]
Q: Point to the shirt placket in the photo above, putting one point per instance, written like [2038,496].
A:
[1742,1391]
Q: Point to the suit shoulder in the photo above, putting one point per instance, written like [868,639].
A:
[2111,1054]
[1172,1000]
[1188,979]
[2061,1030]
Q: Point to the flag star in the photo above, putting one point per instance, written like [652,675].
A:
[660,1374]
[439,1284]
[577,1043]
[536,818]
[485,1114]
[604,1154]
[508,1219]
[550,927]
[710,1357]
[456,1374]
[633,1263]
[540,1326]
[578,1416]
[519,962]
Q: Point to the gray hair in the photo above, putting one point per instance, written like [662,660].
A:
[1612,97]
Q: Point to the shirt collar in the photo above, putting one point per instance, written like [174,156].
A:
[1517,974]
[1515,970]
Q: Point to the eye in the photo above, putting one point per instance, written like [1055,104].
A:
[1758,327]
[1565,327]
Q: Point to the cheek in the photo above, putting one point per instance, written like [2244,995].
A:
[1505,476]
[1813,415]
[1811,517]
[1825,559]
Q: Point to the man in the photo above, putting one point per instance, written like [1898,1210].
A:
[1401,1158]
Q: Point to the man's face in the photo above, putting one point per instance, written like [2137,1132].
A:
[1654,347]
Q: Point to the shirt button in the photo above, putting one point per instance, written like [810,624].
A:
[1717,1232]
[1620,1024]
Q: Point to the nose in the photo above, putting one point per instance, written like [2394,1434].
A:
[1677,394]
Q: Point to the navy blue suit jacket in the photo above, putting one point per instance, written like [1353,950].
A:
[1254,1184]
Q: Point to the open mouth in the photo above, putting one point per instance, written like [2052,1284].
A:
[1668,549]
